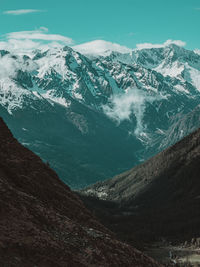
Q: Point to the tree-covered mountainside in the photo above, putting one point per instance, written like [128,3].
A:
[157,199]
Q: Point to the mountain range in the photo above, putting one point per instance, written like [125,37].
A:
[94,116]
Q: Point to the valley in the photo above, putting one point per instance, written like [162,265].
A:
[157,200]
[131,116]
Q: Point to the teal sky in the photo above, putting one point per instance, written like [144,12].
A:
[127,22]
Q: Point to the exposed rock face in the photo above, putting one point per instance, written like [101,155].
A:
[160,198]
[44,224]
[93,118]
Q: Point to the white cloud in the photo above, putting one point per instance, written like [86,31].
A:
[45,29]
[21,11]
[131,102]
[9,66]
[176,42]
[100,47]
[26,41]
[104,48]
[166,43]
[40,34]
[197,51]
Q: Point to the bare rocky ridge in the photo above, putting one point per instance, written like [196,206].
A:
[93,118]
[43,223]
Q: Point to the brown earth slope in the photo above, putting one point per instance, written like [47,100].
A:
[44,224]
[160,198]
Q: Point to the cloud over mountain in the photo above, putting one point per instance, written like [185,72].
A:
[26,41]
[166,43]
[133,101]
[100,47]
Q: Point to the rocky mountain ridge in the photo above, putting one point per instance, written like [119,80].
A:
[69,108]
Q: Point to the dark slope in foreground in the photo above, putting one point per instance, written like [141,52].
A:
[160,198]
[42,223]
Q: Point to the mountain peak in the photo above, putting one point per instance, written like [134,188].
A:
[4,52]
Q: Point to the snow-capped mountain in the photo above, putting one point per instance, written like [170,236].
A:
[171,60]
[93,117]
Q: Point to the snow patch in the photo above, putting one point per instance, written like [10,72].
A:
[172,70]
[51,95]
[11,95]
[180,88]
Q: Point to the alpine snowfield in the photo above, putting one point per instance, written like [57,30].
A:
[78,110]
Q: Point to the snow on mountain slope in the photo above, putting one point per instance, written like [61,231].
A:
[171,60]
[130,99]
[61,73]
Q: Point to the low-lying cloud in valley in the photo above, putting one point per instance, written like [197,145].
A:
[133,101]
